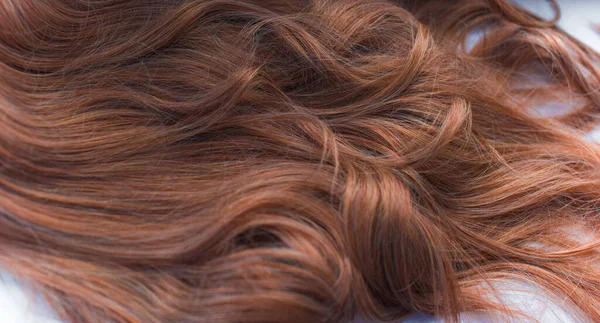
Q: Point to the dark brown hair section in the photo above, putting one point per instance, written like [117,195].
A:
[292,161]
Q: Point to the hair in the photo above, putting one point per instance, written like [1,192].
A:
[294,161]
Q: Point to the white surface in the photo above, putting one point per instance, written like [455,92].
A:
[577,17]
[18,306]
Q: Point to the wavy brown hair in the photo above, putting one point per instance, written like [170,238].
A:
[294,161]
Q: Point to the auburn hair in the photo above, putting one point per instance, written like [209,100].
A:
[294,161]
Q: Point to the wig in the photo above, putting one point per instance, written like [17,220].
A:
[294,161]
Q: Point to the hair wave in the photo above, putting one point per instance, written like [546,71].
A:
[297,161]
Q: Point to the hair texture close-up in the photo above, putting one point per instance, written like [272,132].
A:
[295,161]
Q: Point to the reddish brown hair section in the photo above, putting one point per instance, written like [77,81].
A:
[293,161]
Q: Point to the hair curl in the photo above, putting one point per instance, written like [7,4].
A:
[297,161]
